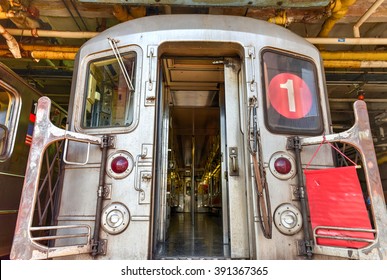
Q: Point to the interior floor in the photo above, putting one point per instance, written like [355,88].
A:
[201,239]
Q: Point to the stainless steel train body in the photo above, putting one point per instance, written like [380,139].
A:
[18,104]
[178,119]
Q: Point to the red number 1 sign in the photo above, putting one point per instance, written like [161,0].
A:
[290,96]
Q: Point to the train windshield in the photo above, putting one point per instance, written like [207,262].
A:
[108,100]
[291,94]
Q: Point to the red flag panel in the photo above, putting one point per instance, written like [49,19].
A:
[336,200]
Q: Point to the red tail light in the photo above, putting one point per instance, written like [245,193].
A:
[282,165]
[119,164]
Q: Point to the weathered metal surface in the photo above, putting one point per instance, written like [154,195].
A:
[236,192]
[45,133]
[360,137]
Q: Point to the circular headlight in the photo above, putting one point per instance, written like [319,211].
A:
[115,218]
[288,219]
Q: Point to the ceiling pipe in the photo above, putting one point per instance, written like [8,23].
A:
[347,59]
[339,9]
[354,55]
[347,41]
[67,55]
[44,52]
[88,35]
[53,48]
[123,13]
[280,19]
[6,15]
[370,11]
[326,55]
[354,64]
[52,33]
[370,100]
[53,55]
[13,46]
[382,159]
[37,55]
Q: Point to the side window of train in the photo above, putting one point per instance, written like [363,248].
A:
[291,94]
[9,102]
[109,101]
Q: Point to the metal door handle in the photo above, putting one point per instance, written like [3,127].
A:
[233,154]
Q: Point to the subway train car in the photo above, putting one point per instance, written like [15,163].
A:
[202,137]
[18,104]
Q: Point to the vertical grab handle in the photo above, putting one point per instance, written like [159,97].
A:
[251,53]
[151,53]
[234,168]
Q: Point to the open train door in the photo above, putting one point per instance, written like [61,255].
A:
[202,160]
[233,163]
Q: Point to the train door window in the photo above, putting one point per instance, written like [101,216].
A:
[9,102]
[109,100]
[291,94]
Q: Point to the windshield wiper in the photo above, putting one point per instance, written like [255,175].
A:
[113,45]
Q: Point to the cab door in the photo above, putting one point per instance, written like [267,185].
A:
[233,163]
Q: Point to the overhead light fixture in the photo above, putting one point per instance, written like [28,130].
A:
[199,98]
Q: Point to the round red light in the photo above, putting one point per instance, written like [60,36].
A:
[119,164]
[282,165]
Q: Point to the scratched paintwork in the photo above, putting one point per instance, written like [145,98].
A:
[45,133]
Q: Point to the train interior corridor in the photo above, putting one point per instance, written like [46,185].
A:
[194,217]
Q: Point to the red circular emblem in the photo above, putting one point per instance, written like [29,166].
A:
[290,96]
